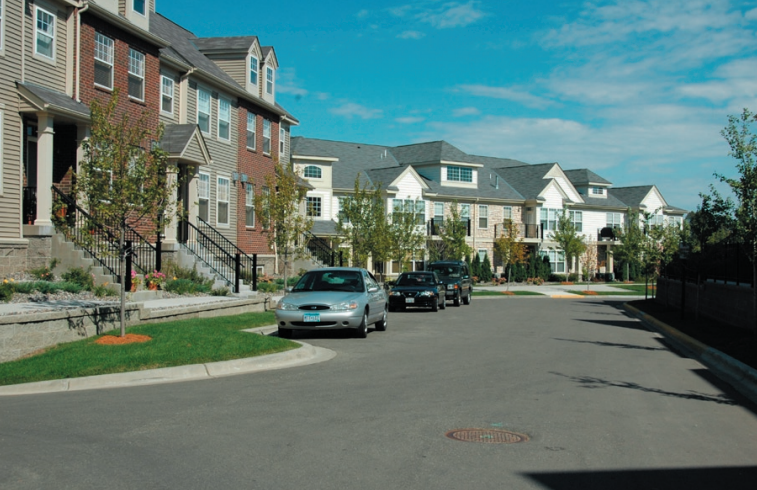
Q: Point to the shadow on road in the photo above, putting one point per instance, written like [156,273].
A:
[631,324]
[612,344]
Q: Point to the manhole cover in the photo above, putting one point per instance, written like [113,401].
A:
[487,436]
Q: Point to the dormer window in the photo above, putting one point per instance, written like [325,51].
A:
[459,174]
[597,191]
[253,70]
[269,80]
[312,172]
[139,6]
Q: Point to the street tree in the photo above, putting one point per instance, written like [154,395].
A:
[589,262]
[628,249]
[279,206]
[510,248]
[567,238]
[452,233]
[405,232]
[125,181]
[743,143]
[362,224]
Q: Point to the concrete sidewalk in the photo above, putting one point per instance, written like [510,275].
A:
[554,290]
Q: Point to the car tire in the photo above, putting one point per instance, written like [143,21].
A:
[362,330]
[457,300]
[285,333]
[467,298]
[435,306]
[381,324]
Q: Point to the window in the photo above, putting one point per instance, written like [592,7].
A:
[253,70]
[266,136]
[222,201]
[314,207]
[438,213]
[251,131]
[614,220]
[249,205]
[203,110]
[136,74]
[465,212]
[44,33]
[507,213]
[269,80]
[597,191]
[342,215]
[483,216]
[312,172]
[266,203]
[103,61]
[139,6]
[577,218]
[415,206]
[556,260]
[282,141]
[203,194]
[481,254]
[676,221]
[656,220]
[459,174]
[166,93]
[549,217]
[224,118]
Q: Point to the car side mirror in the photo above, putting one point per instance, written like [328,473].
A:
[373,289]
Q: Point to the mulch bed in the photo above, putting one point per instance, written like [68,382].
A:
[129,338]
[739,343]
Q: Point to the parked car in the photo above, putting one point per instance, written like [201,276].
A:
[417,289]
[333,298]
[456,276]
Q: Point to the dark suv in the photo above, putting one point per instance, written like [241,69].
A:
[456,276]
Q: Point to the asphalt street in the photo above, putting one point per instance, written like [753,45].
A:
[600,401]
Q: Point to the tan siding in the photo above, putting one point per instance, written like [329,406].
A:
[237,69]
[51,74]
[193,151]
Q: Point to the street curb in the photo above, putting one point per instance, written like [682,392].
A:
[737,374]
[302,356]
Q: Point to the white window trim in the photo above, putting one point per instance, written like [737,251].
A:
[144,4]
[2,27]
[199,192]
[257,70]
[270,125]
[282,142]
[104,61]
[254,130]
[304,172]
[218,123]
[460,173]
[249,202]
[42,56]
[220,177]
[507,210]
[478,224]
[163,79]
[140,76]
[210,109]
[269,84]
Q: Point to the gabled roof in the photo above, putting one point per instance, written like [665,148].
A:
[433,152]
[494,162]
[177,138]
[233,43]
[584,176]
[43,98]
[528,180]
[631,196]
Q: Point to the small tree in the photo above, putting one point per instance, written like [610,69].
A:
[405,234]
[475,266]
[486,269]
[628,251]
[278,207]
[743,143]
[510,248]
[362,224]
[452,234]
[125,180]
[566,236]
[589,262]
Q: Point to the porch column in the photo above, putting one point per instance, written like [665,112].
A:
[610,259]
[44,169]
[171,228]
[83,132]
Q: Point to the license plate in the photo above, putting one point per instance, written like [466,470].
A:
[311,317]
[409,300]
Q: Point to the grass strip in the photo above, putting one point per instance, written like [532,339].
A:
[176,343]
[636,288]
[602,293]
[501,293]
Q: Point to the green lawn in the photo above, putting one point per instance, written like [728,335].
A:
[636,288]
[500,293]
[175,343]
[603,293]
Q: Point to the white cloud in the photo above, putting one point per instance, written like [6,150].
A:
[351,109]
[411,35]
[362,14]
[452,14]
[466,111]
[410,120]
[506,93]
[751,14]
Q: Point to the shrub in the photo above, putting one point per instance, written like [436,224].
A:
[78,275]
[293,280]
[45,273]
[557,278]
[268,287]
[103,290]
[220,292]
[186,286]
[6,291]
[174,271]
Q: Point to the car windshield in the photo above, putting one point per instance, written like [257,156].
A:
[446,270]
[415,280]
[349,281]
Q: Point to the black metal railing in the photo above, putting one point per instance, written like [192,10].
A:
[30,205]
[99,238]
[220,254]
[321,251]
[433,226]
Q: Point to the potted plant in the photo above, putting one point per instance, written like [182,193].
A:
[136,280]
[154,280]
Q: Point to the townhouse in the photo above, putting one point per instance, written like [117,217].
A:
[216,98]
[432,176]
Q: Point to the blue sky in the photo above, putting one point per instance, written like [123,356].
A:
[635,90]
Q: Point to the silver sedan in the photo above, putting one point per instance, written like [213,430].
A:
[331,298]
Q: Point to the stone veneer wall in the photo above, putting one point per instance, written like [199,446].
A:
[723,302]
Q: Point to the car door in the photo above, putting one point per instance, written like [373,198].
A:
[376,297]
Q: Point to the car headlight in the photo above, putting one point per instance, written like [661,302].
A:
[344,306]
[281,305]
[426,293]
[395,293]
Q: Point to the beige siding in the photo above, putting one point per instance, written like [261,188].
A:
[45,72]
[235,68]
[193,151]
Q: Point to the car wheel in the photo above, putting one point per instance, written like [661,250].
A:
[381,324]
[467,298]
[457,300]
[285,333]
[435,307]
[362,330]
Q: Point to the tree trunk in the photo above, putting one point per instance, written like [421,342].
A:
[122,273]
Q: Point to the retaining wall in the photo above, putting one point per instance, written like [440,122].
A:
[723,302]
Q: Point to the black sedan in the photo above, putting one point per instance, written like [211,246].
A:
[417,289]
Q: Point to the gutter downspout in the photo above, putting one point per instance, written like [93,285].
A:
[78,49]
